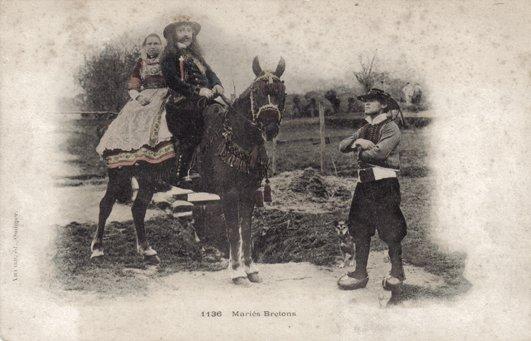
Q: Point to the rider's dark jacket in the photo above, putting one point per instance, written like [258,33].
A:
[197,73]
[184,107]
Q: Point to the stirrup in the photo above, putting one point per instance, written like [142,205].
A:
[190,177]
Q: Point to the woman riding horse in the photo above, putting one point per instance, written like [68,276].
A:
[138,143]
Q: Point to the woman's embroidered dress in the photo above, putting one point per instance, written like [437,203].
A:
[139,134]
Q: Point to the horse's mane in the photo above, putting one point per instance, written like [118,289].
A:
[243,95]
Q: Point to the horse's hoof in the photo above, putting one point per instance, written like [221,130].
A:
[149,251]
[254,277]
[151,260]
[240,280]
[96,248]
[96,253]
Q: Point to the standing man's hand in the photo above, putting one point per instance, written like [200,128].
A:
[364,144]
[218,89]
[346,145]
[206,92]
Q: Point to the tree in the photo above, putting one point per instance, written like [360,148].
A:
[103,77]
[331,96]
[366,76]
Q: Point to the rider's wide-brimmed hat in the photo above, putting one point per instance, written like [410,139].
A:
[380,95]
[182,20]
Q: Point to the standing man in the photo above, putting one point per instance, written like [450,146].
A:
[192,85]
[376,201]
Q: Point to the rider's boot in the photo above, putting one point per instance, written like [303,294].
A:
[184,176]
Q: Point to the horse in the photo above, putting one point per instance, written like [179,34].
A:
[232,161]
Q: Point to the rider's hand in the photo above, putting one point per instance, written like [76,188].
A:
[218,89]
[364,144]
[206,92]
[143,100]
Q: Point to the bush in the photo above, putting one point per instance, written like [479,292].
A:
[103,77]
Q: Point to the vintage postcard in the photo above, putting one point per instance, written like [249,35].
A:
[265,170]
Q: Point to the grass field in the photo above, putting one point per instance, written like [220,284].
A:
[303,154]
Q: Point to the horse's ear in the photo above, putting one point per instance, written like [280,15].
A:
[257,69]
[280,67]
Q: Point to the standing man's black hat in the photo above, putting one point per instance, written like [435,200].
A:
[380,95]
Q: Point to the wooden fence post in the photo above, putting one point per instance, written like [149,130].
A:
[322,136]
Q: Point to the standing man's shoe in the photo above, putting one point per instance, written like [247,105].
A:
[391,283]
[351,281]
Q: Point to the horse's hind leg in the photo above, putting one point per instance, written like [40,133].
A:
[230,210]
[142,200]
[116,179]
[246,213]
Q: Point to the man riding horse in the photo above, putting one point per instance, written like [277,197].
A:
[192,85]
[231,159]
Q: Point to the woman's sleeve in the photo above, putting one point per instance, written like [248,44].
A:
[173,77]
[135,81]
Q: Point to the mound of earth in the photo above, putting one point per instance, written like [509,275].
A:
[310,192]
[281,237]
[309,182]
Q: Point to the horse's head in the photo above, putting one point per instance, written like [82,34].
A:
[268,96]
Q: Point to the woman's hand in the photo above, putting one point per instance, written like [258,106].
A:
[218,89]
[364,144]
[143,100]
[206,92]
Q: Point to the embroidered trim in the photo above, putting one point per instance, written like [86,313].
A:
[163,153]
[235,156]
[155,126]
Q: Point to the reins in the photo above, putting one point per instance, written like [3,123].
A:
[237,112]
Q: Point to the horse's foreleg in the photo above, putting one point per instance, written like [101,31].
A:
[106,204]
[246,213]
[230,209]
[142,200]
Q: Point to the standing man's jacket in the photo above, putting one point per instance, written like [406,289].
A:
[385,134]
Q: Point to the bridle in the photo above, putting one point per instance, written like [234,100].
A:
[255,114]
[232,154]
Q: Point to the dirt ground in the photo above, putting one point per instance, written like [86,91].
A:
[296,228]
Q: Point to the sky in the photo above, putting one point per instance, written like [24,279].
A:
[322,45]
